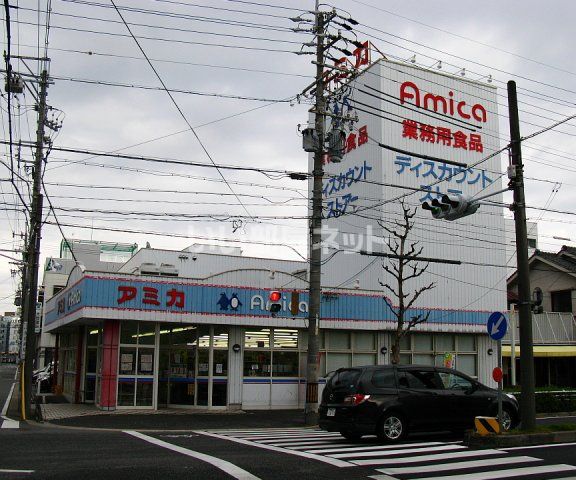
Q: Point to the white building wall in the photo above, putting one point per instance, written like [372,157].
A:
[477,239]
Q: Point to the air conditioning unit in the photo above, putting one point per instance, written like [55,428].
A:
[148,268]
[168,270]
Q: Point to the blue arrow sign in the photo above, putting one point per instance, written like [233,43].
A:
[497,325]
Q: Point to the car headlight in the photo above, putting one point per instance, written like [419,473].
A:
[509,395]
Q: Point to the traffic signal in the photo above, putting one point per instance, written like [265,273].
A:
[275,301]
[295,303]
[451,206]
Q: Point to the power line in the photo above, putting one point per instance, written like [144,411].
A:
[179,109]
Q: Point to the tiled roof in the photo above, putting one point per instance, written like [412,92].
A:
[561,261]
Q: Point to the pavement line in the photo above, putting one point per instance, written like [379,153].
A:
[314,446]
[401,451]
[367,447]
[489,462]
[568,444]
[332,461]
[5,470]
[428,458]
[290,436]
[223,465]
[9,423]
[513,472]
[7,402]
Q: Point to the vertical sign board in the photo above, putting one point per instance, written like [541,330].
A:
[497,326]
[433,114]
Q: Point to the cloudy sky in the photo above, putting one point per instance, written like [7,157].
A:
[233,73]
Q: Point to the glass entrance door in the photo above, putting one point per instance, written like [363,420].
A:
[193,366]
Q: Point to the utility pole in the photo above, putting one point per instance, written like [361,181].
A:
[33,248]
[527,401]
[311,405]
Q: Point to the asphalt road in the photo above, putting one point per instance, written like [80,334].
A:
[46,451]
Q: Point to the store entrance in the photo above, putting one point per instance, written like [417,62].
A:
[193,366]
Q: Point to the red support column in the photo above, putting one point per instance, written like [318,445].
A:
[79,357]
[109,379]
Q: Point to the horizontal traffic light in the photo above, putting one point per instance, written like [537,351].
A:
[451,206]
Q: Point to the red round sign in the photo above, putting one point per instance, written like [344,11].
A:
[497,374]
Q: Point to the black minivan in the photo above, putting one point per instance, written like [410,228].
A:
[391,400]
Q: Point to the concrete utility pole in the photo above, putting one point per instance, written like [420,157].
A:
[311,406]
[33,248]
[527,401]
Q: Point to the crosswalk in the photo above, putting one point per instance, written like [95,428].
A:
[418,460]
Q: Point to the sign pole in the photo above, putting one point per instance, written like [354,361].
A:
[500,387]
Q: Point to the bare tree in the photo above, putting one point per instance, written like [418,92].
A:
[403,266]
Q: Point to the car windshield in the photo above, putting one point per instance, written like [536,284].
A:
[345,379]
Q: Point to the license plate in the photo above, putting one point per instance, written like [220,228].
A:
[331,412]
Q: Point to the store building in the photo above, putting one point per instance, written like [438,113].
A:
[188,328]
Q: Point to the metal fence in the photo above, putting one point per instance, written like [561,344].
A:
[548,328]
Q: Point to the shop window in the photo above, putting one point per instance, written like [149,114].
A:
[364,341]
[284,338]
[466,343]
[144,392]
[184,336]
[203,362]
[338,340]
[127,364]
[360,359]
[467,364]
[422,359]
[219,391]
[146,333]
[220,337]
[204,336]
[405,359]
[126,387]
[285,364]
[444,343]
[423,343]
[257,338]
[220,363]
[129,333]
[405,343]
[92,338]
[334,361]
[145,361]
[257,363]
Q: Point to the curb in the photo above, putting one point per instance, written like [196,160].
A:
[519,440]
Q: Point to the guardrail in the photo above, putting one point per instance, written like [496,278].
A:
[548,328]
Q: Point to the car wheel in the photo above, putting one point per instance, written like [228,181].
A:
[353,437]
[507,419]
[392,427]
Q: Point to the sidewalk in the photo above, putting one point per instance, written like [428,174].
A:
[88,416]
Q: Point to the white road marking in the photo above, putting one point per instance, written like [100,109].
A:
[5,470]
[568,444]
[276,438]
[367,447]
[400,451]
[489,462]
[427,458]
[513,472]
[9,424]
[331,461]
[223,465]
[302,445]
[312,447]
[7,402]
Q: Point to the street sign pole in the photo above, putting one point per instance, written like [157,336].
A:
[500,387]
[497,326]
